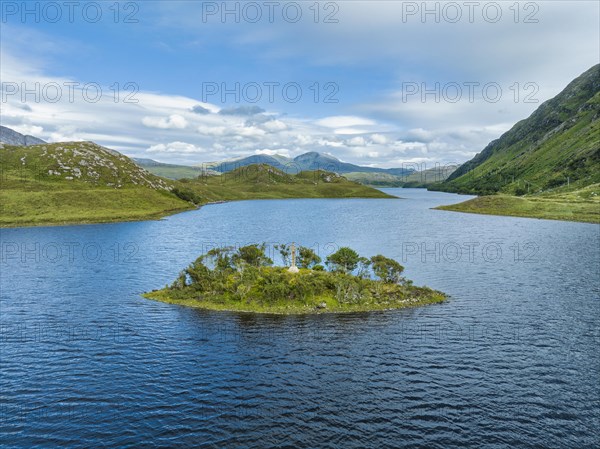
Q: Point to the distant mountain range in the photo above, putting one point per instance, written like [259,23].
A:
[173,171]
[305,162]
[11,137]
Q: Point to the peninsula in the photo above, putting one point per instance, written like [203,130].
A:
[546,166]
[82,182]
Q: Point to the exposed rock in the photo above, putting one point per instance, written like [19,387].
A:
[12,137]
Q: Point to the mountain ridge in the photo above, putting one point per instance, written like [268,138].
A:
[308,161]
[11,137]
[558,144]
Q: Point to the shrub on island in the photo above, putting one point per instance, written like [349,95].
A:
[245,279]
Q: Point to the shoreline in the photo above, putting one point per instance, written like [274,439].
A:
[156,295]
[50,224]
[525,207]
[160,215]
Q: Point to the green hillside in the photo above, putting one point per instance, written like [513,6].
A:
[173,171]
[81,182]
[546,166]
[558,146]
[578,205]
[266,182]
[421,178]
[78,182]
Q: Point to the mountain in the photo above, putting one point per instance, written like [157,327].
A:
[227,165]
[11,137]
[79,182]
[82,182]
[558,146]
[546,166]
[422,178]
[82,162]
[262,181]
[173,171]
[304,162]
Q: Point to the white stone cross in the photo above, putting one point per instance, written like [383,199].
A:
[293,268]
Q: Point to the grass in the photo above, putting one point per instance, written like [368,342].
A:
[375,295]
[581,205]
[78,182]
[265,182]
[81,182]
[174,171]
[61,206]
[283,307]
[421,178]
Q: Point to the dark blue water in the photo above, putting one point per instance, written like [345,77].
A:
[512,360]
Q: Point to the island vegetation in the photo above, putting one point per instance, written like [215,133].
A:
[246,280]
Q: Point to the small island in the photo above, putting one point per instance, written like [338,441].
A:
[245,280]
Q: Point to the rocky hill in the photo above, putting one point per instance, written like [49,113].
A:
[12,137]
[79,182]
[85,162]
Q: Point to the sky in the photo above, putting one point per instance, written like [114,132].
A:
[377,83]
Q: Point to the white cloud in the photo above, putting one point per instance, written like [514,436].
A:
[174,121]
[29,129]
[343,121]
[212,131]
[175,147]
[275,126]
[356,142]
[379,139]
[330,143]
[349,131]
[279,151]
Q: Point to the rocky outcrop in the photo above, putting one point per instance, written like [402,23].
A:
[11,137]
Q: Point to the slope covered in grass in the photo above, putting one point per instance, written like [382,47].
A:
[550,161]
[78,182]
[579,205]
[266,182]
[557,146]
[81,182]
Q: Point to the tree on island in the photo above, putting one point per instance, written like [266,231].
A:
[344,259]
[253,255]
[307,258]
[364,266]
[220,258]
[386,269]
[285,252]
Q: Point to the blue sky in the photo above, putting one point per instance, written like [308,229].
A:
[368,59]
